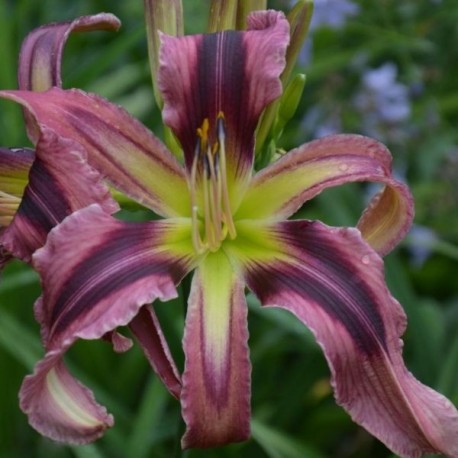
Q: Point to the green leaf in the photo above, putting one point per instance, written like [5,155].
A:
[19,341]
[148,418]
[277,444]
[87,451]
[448,377]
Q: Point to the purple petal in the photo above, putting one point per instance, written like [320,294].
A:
[120,343]
[147,329]
[60,407]
[332,280]
[280,189]
[122,149]
[60,182]
[215,397]
[97,272]
[236,73]
[41,55]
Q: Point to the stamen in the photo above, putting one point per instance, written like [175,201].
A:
[208,170]
[211,242]
[215,205]
[196,239]
[227,213]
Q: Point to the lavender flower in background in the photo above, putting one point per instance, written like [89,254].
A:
[332,13]
[326,13]
[320,122]
[421,242]
[384,103]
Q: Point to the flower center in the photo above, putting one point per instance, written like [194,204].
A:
[209,172]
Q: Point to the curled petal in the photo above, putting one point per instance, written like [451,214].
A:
[60,182]
[121,148]
[60,407]
[388,217]
[332,280]
[279,190]
[216,381]
[147,329]
[236,73]
[41,55]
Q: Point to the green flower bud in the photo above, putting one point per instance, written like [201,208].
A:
[223,15]
[289,103]
[166,16]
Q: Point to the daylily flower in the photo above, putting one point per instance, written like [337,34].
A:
[232,228]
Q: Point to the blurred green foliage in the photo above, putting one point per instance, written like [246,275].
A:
[294,414]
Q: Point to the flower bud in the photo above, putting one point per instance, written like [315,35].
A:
[166,16]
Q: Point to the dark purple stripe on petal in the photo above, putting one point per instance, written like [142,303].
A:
[363,327]
[98,271]
[222,86]
[60,181]
[327,280]
[231,71]
[43,203]
[42,207]
[127,247]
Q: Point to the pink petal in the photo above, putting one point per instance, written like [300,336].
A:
[236,73]
[215,397]
[147,329]
[280,189]
[121,148]
[41,55]
[333,282]
[120,343]
[60,182]
[60,407]
[97,272]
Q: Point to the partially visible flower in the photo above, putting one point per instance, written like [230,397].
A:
[36,193]
[231,227]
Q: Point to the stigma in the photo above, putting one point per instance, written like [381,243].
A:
[211,209]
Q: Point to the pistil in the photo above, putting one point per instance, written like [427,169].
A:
[209,172]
